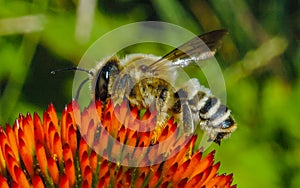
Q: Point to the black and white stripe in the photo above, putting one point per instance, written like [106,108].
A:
[213,116]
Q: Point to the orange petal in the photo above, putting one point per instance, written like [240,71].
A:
[205,163]
[83,147]
[52,115]
[3,182]
[53,170]
[221,181]
[57,146]
[104,169]
[64,126]
[140,180]
[84,161]
[12,142]
[212,172]
[70,171]
[3,140]
[69,164]
[26,157]
[182,182]
[37,182]
[38,128]
[29,133]
[21,178]
[154,179]
[72,139]
[67,153]
[11,163]
[91,131]
[85,184]
[180,173]
[94,161]
[195,162]
[41,157]
[64,182]
[88,175]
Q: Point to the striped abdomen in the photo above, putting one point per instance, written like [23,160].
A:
[214,117]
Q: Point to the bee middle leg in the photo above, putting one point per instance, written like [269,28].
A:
[182,111]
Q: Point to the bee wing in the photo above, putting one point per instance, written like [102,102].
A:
[199,48]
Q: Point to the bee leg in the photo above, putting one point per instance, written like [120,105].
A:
[121,89]
[161,107]
[187,120]
[182,111]
[160,125]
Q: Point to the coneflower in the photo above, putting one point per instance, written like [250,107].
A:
[86,149]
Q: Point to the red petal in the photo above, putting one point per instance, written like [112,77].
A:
[3,182]
[205,163]
[38,128]
[84,161]
[11,163]
[57,146]
[53,170]
[140,180]
[52,115]
[72,139]
[12,142]
[64,126]
[212,172]
[180,173]
[154,179]
[41,157]
[21,178]
[94,161]
[64,182]
[91,131]
[83,147]
[37,182]
[221,181]
[26,157]
[29,133]
[88,175]
[2,164]
[2,155]
[103,169]
[70,171]
[182,183]
[85,184]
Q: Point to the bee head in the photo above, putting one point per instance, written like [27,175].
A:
[105,77]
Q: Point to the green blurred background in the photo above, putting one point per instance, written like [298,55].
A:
[260,59]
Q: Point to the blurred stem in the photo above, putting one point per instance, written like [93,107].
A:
[85,17]
[15,83]
[172,11]
[242,17]
[23,24]
[255,59]
[24,57]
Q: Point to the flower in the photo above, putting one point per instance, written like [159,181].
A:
[62,152]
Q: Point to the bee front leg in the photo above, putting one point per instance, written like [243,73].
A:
[121,89]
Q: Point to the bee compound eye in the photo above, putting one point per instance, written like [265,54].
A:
[108,72]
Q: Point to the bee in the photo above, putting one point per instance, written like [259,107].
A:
[146,82]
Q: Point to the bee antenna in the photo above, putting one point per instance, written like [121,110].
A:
[72,69]
[80,87]
[75,69]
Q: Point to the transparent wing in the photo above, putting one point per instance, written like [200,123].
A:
[199,48]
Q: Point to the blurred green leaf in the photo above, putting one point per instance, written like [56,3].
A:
[261,56]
